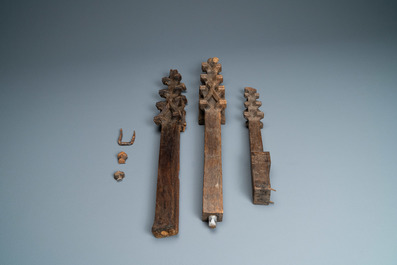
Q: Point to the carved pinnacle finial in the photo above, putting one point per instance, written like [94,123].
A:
[252,112]
[212,94]
[172,109]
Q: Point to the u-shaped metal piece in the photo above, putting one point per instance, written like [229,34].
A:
[125,143]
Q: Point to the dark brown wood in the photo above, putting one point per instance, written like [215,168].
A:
[212,106]
[172,122]
[260,160]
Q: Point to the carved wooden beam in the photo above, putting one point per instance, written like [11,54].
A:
[260,160]
[172,122]
[212,106]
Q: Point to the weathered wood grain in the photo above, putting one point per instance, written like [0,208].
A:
[260,160]
[172,122]
[212,106]
[166,222]
[212,184]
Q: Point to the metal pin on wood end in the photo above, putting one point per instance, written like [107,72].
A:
[212,219]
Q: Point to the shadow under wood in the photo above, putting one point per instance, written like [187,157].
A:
[151,193]
[245,168]
[196,132]
[154,156]
[198,150]
[245,155]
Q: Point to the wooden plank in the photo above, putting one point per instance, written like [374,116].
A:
[260,169]
[212,184]
[172,122]
[212,106]
[166,221]
[260,160]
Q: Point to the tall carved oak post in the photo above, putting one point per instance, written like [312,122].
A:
[212,106]
[172,122]
[260,160]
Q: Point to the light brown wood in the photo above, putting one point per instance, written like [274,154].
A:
[172,122]
[212,106]
[260,160]
[212,184]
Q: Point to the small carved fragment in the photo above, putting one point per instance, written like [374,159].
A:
[125,143]
[119,175]
[172,121]
[122,156]
[260,160]
[212,106]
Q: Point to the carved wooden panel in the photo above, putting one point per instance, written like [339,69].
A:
[212,106]
[260,160]
[172,122]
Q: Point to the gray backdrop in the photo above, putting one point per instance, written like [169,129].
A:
[74,72]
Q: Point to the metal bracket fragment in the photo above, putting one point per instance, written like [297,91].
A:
[125,143]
